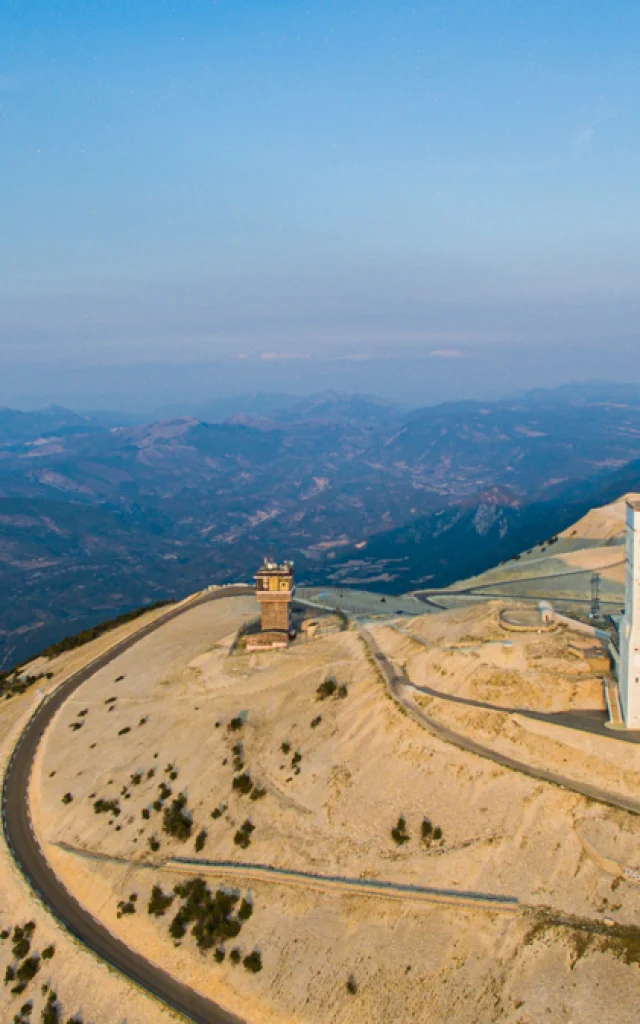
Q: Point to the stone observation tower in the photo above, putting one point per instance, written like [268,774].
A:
[629,628]
[274,589]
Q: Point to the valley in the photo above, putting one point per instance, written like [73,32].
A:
[97,519]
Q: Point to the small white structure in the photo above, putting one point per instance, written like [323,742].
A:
[629,629]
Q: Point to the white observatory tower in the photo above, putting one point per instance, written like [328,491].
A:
[629,664]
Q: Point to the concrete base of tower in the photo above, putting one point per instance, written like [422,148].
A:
[270,640]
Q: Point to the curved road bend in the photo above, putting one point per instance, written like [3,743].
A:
[516,581]
[35,867]
[585,720]
[394,680]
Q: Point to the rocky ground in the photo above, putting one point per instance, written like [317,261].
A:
[271,765]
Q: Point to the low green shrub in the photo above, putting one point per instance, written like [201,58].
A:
[242,838]
[106,807]
[159,903]
[399,831]
[326,689]
[243,783]
[253,962]
[176,821]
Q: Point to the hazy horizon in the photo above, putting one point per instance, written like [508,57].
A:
[158,389]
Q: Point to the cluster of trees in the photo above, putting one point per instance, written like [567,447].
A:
[428,832]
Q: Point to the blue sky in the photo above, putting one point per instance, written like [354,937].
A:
[205,180]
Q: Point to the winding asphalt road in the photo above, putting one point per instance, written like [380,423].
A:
[584,720]
[396,680]
[484,591]
[32,862]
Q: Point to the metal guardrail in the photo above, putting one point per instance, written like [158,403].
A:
[373,885]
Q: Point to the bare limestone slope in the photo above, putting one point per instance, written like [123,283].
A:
[331,772]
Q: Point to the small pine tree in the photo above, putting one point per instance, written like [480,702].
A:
[399,832]
[253,962]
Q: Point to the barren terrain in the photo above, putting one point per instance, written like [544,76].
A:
[331,771]
[85,988]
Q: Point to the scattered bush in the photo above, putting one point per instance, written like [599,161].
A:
[158,902]
[136,779]
[211,915]
[126,907]
[48,953]
[316,721]
[67,798]
[352,985]
[106,807]
[123,732]
[235,956]
[21,941]
[243,783]
[218,811]
[9,974]
[246,910]
[219,955]
[258,792]
[253,962]
[51,1011]
[28,969]
[24,1015]
[399,832]
[176,821]
[242,838]
[235,724]
[342,691]
[326,689]
[146,813]
[429,832]
[285,748]
[154,844]
[201,839]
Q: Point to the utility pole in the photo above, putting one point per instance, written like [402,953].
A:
[596,608]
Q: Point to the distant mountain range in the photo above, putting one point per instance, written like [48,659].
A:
[99,514]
